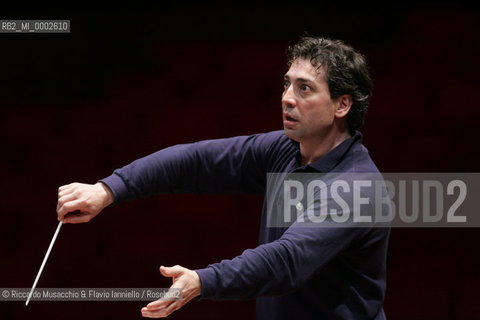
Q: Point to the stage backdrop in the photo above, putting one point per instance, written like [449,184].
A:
[74,107]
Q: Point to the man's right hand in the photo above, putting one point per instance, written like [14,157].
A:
[88,199]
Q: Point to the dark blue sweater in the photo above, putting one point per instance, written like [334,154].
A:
[294,273]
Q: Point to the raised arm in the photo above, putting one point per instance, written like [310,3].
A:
[231,165]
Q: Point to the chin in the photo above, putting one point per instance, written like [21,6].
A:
[291,134]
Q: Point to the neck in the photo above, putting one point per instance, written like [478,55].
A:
[313,149]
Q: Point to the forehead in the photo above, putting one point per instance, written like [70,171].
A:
[304,69]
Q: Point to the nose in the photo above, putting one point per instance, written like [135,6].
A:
[288,98]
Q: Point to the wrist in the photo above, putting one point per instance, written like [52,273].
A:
[198,284]
[108,195]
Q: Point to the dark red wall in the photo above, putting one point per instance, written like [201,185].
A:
[73,107]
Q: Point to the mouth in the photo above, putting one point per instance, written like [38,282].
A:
[288,120]
[288,117]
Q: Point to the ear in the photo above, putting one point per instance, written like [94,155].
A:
[343,104]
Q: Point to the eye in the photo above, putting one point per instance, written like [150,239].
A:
[286,84]
[304,87]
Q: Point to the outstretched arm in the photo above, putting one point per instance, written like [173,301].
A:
[274,268]
[278,267]
[232,165]
[221,166]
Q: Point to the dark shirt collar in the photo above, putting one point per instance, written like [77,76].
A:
[333,157]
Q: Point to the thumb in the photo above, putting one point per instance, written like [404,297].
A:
[174,271]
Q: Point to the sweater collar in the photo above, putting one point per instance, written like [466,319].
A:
[330,160]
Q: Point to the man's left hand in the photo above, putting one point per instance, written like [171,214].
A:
[183,278]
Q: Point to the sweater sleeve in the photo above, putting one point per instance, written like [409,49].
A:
[231,165]
[288,263]
[278,267]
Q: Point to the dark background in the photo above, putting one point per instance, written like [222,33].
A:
[123,84]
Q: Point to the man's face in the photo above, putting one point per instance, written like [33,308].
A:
[308,110]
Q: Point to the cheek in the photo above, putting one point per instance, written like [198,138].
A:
[320,109]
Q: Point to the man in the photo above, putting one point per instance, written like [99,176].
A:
[294,273]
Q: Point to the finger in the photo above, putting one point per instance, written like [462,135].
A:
[174,271]
[163,312]
[70,207]
[173,307]
[68,188]
[150,314]
[81,217]
[65,199]
[64,187]
[158,304]
[65,191]
[162,304]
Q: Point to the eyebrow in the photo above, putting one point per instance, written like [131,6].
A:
[286,77]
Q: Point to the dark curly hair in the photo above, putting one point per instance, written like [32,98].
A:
[345,69]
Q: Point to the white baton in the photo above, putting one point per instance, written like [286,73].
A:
[44,261]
